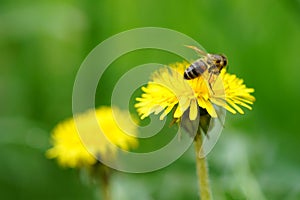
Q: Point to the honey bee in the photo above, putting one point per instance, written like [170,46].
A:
[211,63]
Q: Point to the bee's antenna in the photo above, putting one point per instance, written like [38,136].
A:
[227,67]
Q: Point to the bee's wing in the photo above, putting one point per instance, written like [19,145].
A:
[214,131]
[201,52]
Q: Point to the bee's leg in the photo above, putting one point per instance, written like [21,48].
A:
[210,82]
[211,88]
[213,70]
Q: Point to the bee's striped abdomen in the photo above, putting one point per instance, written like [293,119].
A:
[195,69]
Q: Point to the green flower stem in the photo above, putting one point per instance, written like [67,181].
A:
[202,170]
[105,183]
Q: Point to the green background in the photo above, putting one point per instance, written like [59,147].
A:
[43,43]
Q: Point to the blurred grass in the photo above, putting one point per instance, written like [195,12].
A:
[43,43]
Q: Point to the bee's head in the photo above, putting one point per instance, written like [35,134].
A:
[220,60]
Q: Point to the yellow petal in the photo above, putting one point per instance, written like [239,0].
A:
[193,109]
[166,112]
[211,110]
[235,106]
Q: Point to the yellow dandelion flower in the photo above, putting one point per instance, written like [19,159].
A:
[167,89]
[68,136]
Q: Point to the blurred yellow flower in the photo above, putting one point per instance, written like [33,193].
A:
[99,131]
[168,89]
